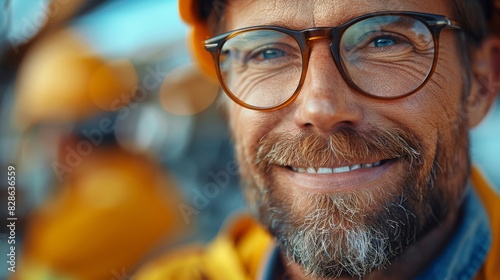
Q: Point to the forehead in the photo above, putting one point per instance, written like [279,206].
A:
[300,14]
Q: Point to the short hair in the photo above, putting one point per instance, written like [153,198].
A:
[474,15]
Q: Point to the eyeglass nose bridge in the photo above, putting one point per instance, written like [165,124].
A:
[318,33]
[332,35]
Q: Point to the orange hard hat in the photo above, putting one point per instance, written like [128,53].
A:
[190,13]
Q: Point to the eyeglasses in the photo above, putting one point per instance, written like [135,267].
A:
[385,55]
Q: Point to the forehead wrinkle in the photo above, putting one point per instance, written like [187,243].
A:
[300,14]
[271,12]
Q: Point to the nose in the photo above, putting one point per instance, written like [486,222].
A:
[325,103]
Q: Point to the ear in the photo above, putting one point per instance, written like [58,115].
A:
[486,79]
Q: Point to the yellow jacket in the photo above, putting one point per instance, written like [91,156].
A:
[241,250]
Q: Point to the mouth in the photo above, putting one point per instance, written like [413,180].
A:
[329,179]
[335,170]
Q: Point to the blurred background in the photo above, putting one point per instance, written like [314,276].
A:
[119,147]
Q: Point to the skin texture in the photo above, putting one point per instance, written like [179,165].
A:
[427,179]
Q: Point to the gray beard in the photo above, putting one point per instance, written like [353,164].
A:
[355,233]
[339,236]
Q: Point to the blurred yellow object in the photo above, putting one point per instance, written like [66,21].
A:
[113,84]
[61,80]
[113,209]
[237,254]
[186,91]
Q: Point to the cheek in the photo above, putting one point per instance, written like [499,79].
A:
[435,112]
[248,127]
[446,87]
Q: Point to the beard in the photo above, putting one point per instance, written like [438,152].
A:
[355,232]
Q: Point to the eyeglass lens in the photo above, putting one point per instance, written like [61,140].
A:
[385,56]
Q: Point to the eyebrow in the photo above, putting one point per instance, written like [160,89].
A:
[341,20]
[288,25]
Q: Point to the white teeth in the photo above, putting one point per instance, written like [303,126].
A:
[354,167]
[311,170]
[326,170]
[341,169]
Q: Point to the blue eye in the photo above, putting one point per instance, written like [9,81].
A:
[272,53]
[384,42]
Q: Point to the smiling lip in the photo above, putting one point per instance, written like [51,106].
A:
[327,170]
[344,178]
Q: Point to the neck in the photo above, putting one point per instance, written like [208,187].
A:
[414,260]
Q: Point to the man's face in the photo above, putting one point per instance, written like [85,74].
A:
[346,182]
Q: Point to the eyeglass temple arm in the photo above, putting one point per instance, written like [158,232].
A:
[446,22]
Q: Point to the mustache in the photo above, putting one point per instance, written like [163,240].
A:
[343,147]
